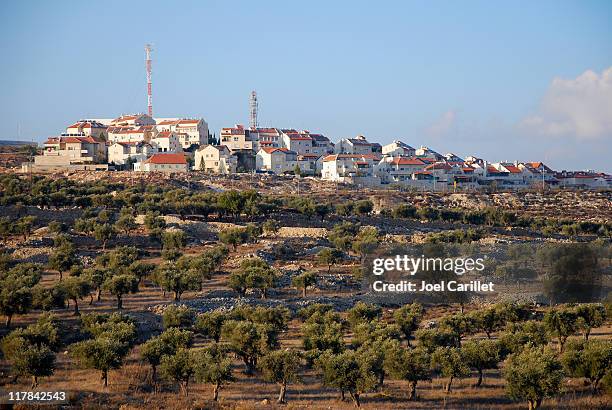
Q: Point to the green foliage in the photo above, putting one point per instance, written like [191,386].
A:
[408,318]
[104,233]
[76,288]
[178,367]
[343,234]
[481,355]
[322,308]
[375,332]
[167,343]
[15,297]
[178,316]
[533,375]
[591,359]
[271,226]
[323,331]
[431,339]
[460,324]
[329,256]
[212,365]
[412,365]
[170,277]
[304,280]
[173,243]
[519,335]
[63,256]
[233,237]
[249,340]
[561,323]
[120,285]
[366,241]
[210,324]
[404,211]
[347,372]
[126,223]
[281,367]
[28,358]
[254,273]
[450,363]
[590,315]
[362,313]
[102,353]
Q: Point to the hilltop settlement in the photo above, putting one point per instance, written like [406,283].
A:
[142,143]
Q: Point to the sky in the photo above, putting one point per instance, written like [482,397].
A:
[502,80]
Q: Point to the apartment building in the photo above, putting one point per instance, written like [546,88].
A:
[167,141]
[236,138]
[190,131]
[215,158]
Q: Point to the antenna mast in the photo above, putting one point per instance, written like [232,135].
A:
[253,110]
[148,50]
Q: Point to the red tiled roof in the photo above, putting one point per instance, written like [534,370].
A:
[407,161]
[270,150]
[167,159]
[163,134]
[438,165]
[512,169]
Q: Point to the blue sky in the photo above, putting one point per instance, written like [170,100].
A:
[472,77]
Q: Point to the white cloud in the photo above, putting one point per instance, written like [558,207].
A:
[580,108]
[442,125]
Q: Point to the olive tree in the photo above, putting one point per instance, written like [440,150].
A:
[481,355]
[408,318]
[28,358]
[15,298]
[210,324]
[167,343]
[450,363]
[178,367]
[590,315]
[533,375]
[304,280]
[281,367]
[76,288]
[101,353]
[212,365]
[411,365]
[329,256]
[561,323]
[249,340]
[589,359]
[120,285]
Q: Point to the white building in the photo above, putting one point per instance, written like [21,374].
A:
[299,142]
[190,131]
[351,168]
[87,128]
[163,163]
[358,145]
[166,141]
[119,153]
[398,149]
[236,138]
[215,158]
[399,169]
[277,160]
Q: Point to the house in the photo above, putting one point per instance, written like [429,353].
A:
[351,168]
[190,131]
[236,138]
[87,128]
[265,138]
[398,149]
[277,160]
[584,179]
[358,145]
[70,152]
[321,145]
[163,163]
[299,142]
[166,141]
[310,164]
[215,158]
[131,120]
[426,152]
[398,169]
[121,153]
